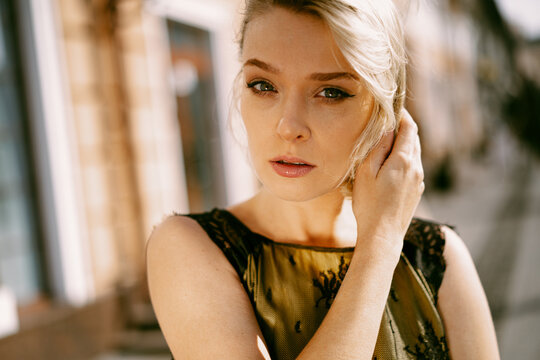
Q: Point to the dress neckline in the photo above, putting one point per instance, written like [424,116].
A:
[267,240]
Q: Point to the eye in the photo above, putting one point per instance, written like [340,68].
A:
[261,87]
[334,94]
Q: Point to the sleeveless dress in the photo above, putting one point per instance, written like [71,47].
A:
[292,286]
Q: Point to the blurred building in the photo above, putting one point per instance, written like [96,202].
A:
[470,74]
[115,113]
[112,115]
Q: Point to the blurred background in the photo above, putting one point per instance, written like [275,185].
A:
[114,113]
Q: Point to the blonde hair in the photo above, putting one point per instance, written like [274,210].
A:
[370,36]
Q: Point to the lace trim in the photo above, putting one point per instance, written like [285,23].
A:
[231,239]
[423,247]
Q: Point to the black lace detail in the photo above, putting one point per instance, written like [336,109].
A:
[429,346]
[291,260]
[229,237]
[423,247]
[393,295]
[330,282]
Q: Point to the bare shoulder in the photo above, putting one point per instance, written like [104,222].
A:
[174,230]
[463,304]
[196,293]
[454,245]
[178,244]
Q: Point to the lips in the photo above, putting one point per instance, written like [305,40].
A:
[291,167]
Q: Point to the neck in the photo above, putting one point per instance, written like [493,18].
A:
[310,222]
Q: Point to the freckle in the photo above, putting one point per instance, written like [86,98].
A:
[291,259]
[297,327]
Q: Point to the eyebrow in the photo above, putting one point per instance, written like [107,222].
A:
[333,76]
[262,65]
[315,76]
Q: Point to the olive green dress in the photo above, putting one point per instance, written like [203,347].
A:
[291,287]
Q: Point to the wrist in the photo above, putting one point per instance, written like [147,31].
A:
[383,248]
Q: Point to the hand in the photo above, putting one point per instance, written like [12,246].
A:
[387,189]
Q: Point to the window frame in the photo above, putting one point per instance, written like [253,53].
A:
[55,151]
[217,18]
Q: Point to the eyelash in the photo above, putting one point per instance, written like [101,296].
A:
[342,95]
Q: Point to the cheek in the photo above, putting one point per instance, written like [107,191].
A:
[250,109]
[258,114]
[342,127]
[250,115]
[339,132]
[257,125]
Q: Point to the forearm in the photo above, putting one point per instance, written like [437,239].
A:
[351,326]
[386,191]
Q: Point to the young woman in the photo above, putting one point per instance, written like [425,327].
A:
[278,276]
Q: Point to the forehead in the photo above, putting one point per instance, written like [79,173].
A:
[295,42]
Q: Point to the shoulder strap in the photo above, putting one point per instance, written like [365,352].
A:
[423,246]
[231,238]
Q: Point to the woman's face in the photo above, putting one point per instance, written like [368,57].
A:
[303,105]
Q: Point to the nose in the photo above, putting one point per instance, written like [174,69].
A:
[292,126]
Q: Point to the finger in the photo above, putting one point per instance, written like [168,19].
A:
[407,135]
[380,152]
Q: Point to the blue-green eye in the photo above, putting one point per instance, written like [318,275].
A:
[334,94]
[261,86]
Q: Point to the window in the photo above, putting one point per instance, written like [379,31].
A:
[20,250]
[197,115]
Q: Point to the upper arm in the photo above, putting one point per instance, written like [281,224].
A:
[202,308]
[463,305]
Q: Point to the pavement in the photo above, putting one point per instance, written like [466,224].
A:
[495,207]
